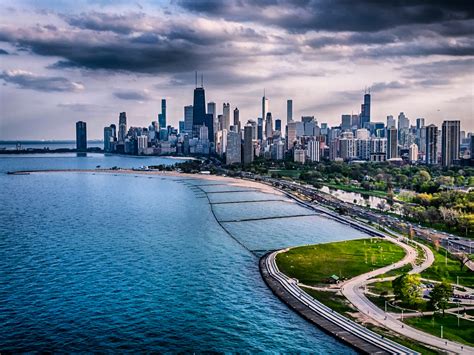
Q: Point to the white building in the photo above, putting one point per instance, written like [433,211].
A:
[413,153]
[299,156]
[312,150]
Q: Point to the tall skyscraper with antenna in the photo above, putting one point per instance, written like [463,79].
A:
[265,106]
[199,106]
[365,110]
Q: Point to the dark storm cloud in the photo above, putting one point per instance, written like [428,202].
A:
[3,52]
[97,43]
[132,95]
[334,16]
[99,21]
[27,80]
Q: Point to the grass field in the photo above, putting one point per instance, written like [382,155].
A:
[330,299]
[379,287]
[313,264]
[463,334]
[396,272]
[448,271]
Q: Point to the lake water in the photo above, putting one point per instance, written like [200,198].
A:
[115,262]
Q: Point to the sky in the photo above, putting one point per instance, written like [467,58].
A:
[63,61]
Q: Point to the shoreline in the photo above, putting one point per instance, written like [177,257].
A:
[231,180]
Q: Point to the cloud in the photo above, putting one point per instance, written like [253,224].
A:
[331,15]
[100,21]
[440,72]
[177,48]
[28,80]
[132,95]
[3,52]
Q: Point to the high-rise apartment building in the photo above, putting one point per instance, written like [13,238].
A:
[188,119]
[122,127]
[226,116]
[237,118]
[390,121]
[365,112]
[450,142]
[199,107]
[431,145]
[346,122]
[392,143]
[162,115]
[233,151]
[248,145]
[269,125]
[289,110]
[278,125]
[265,107]
[81,136]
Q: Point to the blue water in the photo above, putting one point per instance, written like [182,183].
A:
[103,262]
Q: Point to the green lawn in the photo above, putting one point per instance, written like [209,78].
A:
[336,302]
[396,272]
[379,287]
[440,270]
[463,334]
[313,264]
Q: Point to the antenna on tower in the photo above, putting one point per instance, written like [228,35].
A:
[196,79]
[202,80]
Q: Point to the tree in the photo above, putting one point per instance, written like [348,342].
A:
[440,296]
[407,288]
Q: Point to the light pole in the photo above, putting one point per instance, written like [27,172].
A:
[385,306]
[441,332]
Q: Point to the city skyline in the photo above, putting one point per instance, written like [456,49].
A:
[84,62]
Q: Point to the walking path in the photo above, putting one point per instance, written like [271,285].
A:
[353,291]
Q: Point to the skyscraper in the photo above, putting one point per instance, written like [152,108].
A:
[265,106]
[365,111]
[188,119]
[431,142]
[122,127]
[233,151]
[109,138]
[403,121]
[450,142]
[420,122]
[248,144]
[260,128]
[392,143]
[390,121]
[269,125]
[289,110]
[278,125]
[81,136]
[346,122]
[162,115]
[211,109]
[237,118]
[199,107]
[226,116]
